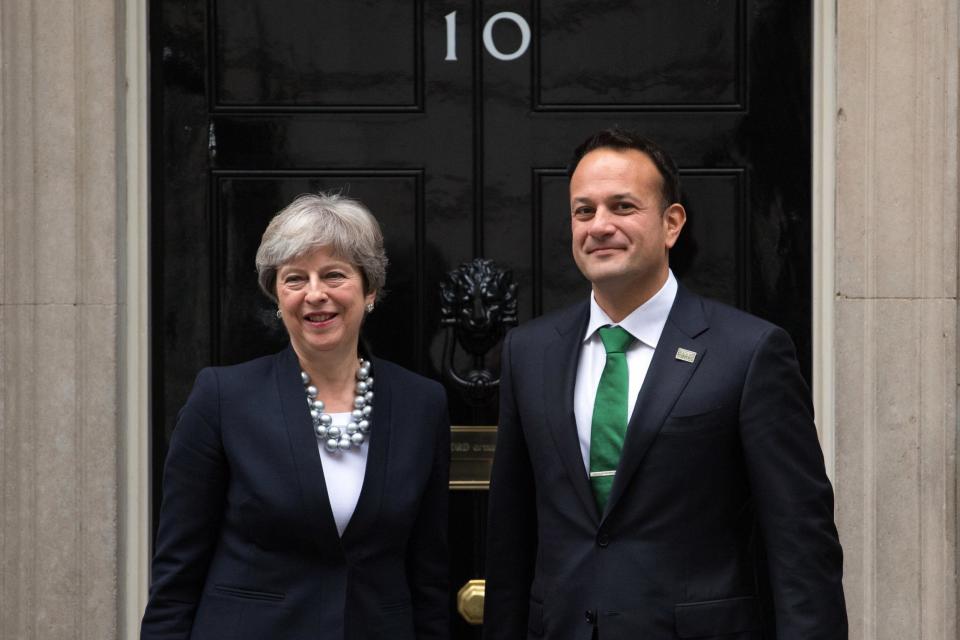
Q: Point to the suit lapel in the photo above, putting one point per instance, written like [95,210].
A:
[561,355]
[381,434]
[303,445]
[665,380]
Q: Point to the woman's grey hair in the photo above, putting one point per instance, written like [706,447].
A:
[317,220]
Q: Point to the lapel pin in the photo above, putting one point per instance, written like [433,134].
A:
[686,355]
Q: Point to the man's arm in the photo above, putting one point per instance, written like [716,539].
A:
[793,496]
[512,522]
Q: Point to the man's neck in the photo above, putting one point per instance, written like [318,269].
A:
[620,299]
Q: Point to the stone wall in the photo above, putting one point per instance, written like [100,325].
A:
[65,555]
[59,237]
[895,350]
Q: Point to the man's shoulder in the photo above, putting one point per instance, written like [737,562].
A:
[729,323]
[551,324]
[718,313]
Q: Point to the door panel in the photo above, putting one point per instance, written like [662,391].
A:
[686,54]
[454,122]
[317,55]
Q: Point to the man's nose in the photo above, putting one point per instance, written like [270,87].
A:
[602,223]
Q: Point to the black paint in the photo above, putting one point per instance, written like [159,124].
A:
[252,105]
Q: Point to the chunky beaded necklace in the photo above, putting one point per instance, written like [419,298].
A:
[355,433]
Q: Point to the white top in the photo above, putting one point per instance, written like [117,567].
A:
[645,323]
[343,472]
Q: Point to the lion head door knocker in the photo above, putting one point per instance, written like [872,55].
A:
[478,304]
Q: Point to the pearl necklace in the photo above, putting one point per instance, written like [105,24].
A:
[355,433]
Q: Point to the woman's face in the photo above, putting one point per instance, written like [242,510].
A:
[322,300]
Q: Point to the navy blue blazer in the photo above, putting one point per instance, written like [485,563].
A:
[247,546]
[720,520]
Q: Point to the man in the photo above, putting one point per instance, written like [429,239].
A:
[707,513]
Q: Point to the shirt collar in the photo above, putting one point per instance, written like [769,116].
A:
[645,323]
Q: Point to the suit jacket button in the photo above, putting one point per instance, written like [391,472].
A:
[591,616]
[603,539]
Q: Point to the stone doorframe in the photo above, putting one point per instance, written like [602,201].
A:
[74,322]
[885,302]
[136,504]
[135,326]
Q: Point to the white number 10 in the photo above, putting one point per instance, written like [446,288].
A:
[488,42]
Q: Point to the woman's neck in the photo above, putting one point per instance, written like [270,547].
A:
[335,376]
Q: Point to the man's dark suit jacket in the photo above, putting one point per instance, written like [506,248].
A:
[720,520]
[247,546]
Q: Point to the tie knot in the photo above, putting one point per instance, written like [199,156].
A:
[615,339]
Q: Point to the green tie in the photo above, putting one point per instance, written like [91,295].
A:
[609,413]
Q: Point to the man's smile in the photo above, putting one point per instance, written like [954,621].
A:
[604,249]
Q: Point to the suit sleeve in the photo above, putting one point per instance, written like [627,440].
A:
[511,521]
[194,492]
[793,496]
[427,552]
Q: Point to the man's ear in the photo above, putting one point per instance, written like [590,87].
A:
[674,217]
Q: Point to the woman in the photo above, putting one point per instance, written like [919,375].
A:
[305,493]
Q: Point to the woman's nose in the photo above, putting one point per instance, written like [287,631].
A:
[316,292]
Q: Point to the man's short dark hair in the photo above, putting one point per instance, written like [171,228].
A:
[622,139]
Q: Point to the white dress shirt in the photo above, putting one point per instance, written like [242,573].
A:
[343,472]
[645,324]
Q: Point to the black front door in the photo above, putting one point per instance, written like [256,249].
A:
[454,121]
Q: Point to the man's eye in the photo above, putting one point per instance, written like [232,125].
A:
[624,206]
[583,212]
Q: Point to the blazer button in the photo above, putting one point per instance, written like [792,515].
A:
[603,539]
[591,616]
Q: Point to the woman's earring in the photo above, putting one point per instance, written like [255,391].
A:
[369,307]
[279,314]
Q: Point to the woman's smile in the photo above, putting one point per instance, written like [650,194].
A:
[320,320]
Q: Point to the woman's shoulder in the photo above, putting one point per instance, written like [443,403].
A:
[262,365]
[236,382]
[415,398]
[400,376]
[241,374]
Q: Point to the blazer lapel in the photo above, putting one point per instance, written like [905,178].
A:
[666,378]
[381,433]
[561,355]
[303,445]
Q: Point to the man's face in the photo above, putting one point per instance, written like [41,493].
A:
[621,232]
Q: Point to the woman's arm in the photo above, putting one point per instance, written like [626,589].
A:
[427,552]
[194,490]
